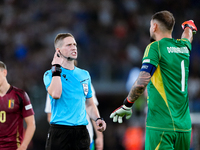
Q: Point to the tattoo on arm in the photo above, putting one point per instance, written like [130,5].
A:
[139,86]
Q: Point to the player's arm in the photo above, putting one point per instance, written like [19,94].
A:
[147,70]
[48,108]
[139,86]
[30,129]
[189,29]
[93,113]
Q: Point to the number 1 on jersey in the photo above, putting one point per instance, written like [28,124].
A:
[182,76]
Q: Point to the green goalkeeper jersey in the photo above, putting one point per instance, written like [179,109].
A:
[167,100]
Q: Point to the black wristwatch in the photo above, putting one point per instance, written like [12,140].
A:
[99,118]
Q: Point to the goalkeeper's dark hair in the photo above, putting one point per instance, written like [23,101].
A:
[60,37]
[2,65]
[166,18]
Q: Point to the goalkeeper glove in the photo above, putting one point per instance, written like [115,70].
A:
[189,24]
[125,109]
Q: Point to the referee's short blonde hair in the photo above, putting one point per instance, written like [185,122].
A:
[59,39]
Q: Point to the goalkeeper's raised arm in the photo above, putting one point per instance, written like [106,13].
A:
[189,29]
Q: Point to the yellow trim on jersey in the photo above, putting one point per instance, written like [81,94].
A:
[184,39]
[147,50]
[157,147]
[159,53]
[157,81]
[169,129]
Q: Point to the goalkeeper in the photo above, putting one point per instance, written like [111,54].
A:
[165,69]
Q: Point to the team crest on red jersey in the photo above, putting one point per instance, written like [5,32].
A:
[11,103]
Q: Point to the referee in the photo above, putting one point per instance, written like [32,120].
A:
[70,93]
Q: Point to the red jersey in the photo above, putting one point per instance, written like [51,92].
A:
[14,106]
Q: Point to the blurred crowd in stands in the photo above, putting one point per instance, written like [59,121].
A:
[111,37]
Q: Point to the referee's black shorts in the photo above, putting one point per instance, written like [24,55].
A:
[61,137]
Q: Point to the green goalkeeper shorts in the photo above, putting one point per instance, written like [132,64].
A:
[167,140]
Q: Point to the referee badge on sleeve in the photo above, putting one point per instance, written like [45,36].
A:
[85,88]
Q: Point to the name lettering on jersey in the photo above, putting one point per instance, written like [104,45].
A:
[177,50]
[11,103]
[85,88]
[27,107]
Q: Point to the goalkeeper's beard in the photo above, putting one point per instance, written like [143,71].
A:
[152,39]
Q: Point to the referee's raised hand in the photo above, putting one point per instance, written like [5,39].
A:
[57,59]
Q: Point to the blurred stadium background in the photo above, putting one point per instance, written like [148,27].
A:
[111,36]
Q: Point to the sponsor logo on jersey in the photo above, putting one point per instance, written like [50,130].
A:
[64,75]
[46,73]
[84,80]
[85,88]
[177,50]
[11,103]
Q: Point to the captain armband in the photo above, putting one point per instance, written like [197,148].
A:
[148,68]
